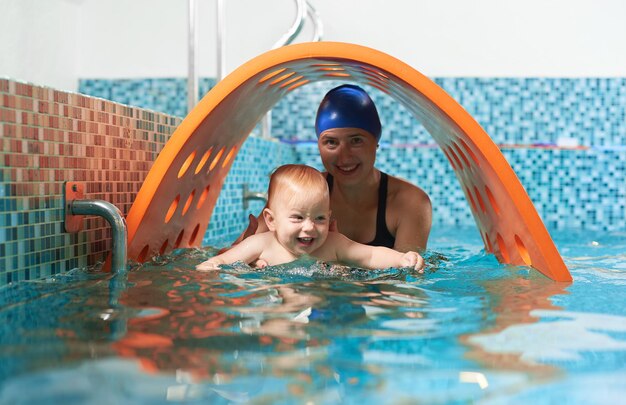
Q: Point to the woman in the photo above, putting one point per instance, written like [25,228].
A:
[368,206]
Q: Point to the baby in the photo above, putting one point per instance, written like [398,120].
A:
[298,217]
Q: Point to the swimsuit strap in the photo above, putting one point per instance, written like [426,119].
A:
[382,203]
[383,237]
[329,181]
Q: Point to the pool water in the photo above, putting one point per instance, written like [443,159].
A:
[469,330]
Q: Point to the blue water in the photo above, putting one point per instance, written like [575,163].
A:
[469,330]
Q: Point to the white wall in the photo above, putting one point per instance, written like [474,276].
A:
[54,42]
[38,41]
[142,38]
[489,37]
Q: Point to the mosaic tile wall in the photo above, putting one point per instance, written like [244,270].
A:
[523,111]
[536,122]
[581,189]
[167,95]
[48,137]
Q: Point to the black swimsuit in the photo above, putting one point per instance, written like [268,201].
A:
[383,236]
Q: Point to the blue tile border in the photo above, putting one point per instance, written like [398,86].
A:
[581,189]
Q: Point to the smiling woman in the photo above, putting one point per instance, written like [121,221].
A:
[370,206]
[367,205]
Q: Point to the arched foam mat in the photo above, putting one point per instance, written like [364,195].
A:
[175,203]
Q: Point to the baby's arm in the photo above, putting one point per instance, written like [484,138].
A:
[246,251]
[373,257]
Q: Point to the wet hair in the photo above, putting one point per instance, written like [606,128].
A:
[291,182]
[348,106]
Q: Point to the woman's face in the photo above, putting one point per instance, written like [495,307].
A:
[348,154]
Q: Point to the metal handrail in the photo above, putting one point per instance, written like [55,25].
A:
[221,40]
[303,9]
[296,26]
[318,27]
[252,195]
[114,217]
[192,66]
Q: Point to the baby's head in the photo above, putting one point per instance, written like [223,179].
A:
[298,208]
[297,184]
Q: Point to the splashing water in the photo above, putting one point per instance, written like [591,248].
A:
[467,330]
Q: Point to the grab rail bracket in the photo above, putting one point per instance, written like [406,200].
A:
[73,191]
[252,195]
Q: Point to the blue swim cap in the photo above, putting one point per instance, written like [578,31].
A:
[348,106]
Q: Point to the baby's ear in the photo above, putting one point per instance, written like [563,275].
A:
[268,215]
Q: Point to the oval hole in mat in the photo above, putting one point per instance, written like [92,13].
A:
[203,160]
[172,209]
[179,239]
[203,196]
[144,252]
[192,238]
[186,164]
[188,202]
[523,252]
[502,247]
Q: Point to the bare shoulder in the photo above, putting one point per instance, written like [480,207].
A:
[336,241]
[409,215]
[259,239]
[403,195]
[337,238]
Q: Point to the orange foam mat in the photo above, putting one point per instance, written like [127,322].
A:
[174,205]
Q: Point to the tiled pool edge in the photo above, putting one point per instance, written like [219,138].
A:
[48,137]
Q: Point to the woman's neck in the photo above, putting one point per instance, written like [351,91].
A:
[361,192]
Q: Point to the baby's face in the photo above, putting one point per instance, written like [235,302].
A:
[302,226]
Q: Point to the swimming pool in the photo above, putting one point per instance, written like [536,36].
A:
[469,330]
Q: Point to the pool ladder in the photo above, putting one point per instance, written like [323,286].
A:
[304,10]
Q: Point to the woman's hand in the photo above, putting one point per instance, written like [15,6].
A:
[414,260]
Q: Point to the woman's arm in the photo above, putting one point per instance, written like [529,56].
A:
[414,219]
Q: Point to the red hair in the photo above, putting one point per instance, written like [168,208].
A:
[296,181]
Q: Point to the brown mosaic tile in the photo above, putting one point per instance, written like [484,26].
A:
[48,137]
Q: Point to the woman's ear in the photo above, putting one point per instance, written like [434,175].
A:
[268,215]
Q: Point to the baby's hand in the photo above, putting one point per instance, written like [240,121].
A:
[208,265]
[259,263]
[414,260]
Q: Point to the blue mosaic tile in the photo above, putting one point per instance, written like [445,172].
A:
[167,95]
[569,188]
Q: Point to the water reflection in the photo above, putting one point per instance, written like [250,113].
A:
[310,332]
[512,302]
[308,327]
